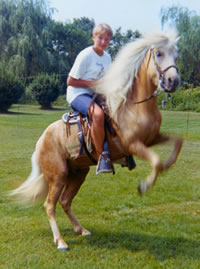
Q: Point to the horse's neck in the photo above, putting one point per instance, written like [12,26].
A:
[131,113]
[143,87]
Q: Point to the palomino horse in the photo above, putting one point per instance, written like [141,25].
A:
[130,91]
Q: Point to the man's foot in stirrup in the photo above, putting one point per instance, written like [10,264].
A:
[105,164]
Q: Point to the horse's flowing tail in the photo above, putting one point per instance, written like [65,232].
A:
[35,188]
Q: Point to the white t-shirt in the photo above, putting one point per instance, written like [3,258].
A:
[87,66]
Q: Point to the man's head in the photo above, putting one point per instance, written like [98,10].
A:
[101,36]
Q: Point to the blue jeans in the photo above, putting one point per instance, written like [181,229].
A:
[82,103]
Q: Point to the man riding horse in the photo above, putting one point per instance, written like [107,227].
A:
[89,66]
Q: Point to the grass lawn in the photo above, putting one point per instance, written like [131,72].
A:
[159,230]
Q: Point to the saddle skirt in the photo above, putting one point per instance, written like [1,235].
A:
[82,144]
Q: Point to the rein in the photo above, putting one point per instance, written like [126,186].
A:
[161,73]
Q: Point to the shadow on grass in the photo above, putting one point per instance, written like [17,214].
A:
[162,248]
[19,113]
[55,109]
[64,109]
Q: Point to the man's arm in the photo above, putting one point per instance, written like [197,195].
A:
[80,83]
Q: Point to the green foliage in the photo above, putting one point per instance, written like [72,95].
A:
[120,39]
[11,88]
[188,26]
[69,39]
[182,100]
[31,42]
[45,89]
[26,39]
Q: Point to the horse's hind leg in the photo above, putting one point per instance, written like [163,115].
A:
[55,172]
[71,188]
[50,206]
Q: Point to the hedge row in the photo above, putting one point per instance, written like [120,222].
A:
[45,89]
[181,100]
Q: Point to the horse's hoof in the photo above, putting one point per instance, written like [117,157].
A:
[83,232]
[63,248]
[142,188]
[86,233]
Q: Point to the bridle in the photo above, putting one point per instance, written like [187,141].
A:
[158,68]
[160,89]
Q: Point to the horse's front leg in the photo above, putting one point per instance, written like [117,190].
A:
[141,151]
[178,142]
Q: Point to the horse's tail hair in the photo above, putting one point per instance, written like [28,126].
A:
[35,188]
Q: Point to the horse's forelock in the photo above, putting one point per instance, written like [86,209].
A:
[168,40]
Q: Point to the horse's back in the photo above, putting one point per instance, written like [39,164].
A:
[53,139]
[61,139]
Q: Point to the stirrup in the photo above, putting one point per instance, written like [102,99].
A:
[105,164]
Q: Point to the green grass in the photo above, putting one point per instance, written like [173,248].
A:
[159,230]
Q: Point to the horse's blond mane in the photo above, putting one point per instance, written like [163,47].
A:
[117,82]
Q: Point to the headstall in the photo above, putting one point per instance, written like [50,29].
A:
[161,73]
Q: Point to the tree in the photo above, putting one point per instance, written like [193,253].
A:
[120,39]
[188,26]
[11,89]
[24,26]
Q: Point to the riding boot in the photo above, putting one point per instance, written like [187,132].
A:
[129,162]
[105,164]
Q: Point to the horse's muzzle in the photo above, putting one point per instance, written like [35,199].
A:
[171,83]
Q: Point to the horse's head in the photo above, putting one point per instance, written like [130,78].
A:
[163,62]
[145,64]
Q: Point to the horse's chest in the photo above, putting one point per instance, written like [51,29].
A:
[149,129]
[150,125]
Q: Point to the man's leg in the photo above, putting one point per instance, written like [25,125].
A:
[82,104]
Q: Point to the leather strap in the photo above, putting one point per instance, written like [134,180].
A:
[82,141]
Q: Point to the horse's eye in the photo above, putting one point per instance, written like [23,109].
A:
[158,53]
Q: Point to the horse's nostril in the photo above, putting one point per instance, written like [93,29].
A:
[173,83]
[170,81]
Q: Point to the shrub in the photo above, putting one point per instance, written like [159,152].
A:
[45,89]
[182,100]
[11,89]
